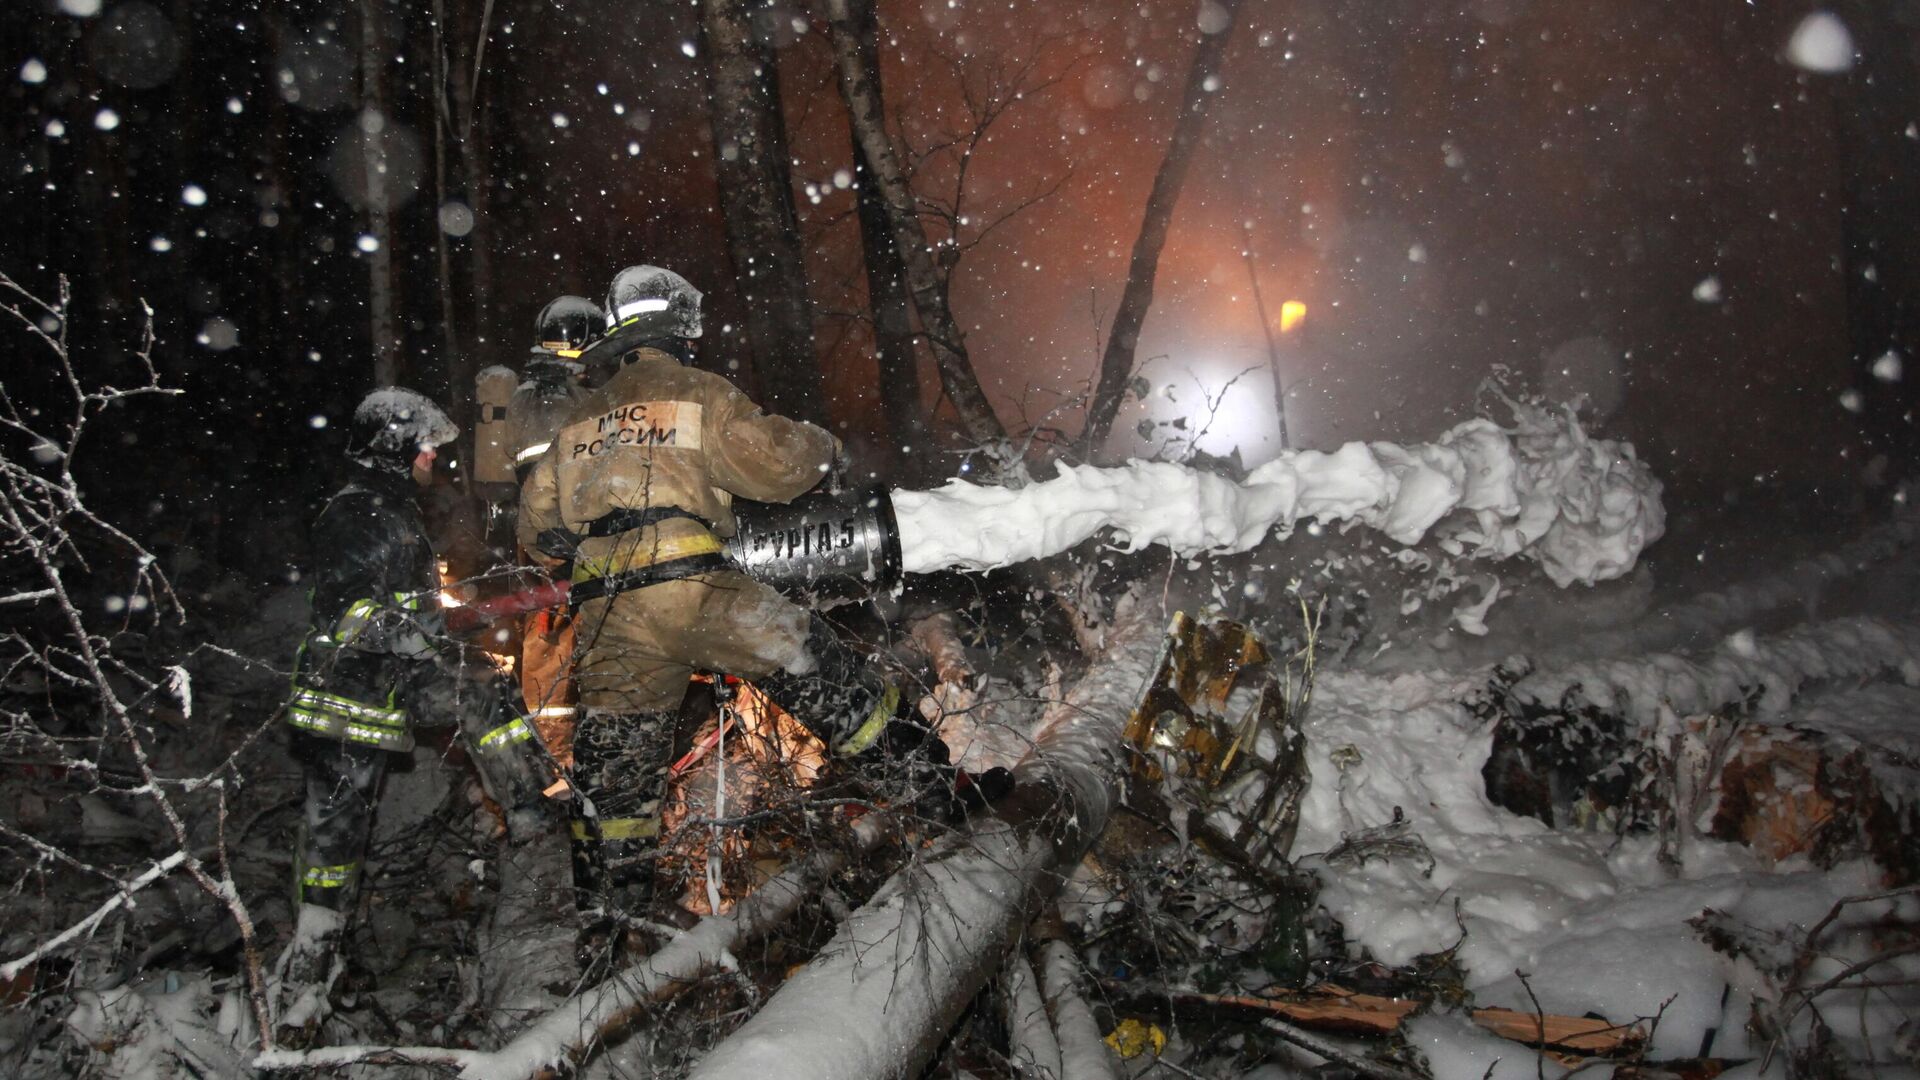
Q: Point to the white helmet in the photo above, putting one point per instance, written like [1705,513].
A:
[653,301]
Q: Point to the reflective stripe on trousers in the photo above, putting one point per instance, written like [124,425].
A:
[340,717]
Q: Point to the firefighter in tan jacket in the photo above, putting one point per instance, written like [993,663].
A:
[637,492]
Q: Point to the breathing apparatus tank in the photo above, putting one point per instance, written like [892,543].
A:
[492,453]
[841,546]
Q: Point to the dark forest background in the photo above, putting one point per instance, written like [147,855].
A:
[1641,201]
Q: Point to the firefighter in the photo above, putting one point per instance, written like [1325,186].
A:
[566,326]
[637,490]
[373,658]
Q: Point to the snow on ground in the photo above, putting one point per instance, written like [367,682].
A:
[1599,923]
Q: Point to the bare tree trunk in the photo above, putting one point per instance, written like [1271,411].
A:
[1880,179]
[473,135]
[887,294]
[1273,347]
[373,141]
[860,89]
[276,163]
[459,364]
[1116,365]
[756,198]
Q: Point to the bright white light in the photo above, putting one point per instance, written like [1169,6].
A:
[236,106]
[106,119]
[1708,290]
[368,243]
[193,195]
[33,71]
[160,243]
[686,48]
[81,9]
[560,120]
[317,421]
[1889,367]
[1221,412]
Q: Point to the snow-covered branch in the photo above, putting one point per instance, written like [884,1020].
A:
[12,968]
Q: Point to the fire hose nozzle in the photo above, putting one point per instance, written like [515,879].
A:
[819,546]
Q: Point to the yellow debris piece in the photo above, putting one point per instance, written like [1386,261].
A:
[1131,1038]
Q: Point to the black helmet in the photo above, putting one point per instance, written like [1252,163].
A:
[392,425]
[648,303]
[567,325]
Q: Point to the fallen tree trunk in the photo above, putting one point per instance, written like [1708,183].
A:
[1082,1054]
[904,967]
[570,1031]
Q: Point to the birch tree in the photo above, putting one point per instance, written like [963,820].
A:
[860,90]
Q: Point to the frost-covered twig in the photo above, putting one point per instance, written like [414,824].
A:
[12,968]
[1358,1063]
[44,523]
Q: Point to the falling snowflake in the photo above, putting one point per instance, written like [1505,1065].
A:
[1821,44]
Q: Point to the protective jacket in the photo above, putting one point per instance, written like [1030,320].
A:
[537,409]
[642,478]
[375,613]
[368,662]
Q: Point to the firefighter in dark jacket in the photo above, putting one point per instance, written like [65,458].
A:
[374,657]
[637,492]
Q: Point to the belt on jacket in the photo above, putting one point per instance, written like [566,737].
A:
[668,560]
[561,543]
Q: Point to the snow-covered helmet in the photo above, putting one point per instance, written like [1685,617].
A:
[392,425]
[567,325]
[645,303]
